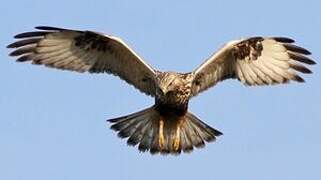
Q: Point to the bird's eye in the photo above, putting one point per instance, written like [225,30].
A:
[159,90]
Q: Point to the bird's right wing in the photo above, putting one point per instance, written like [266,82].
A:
[253,61]
[83,51]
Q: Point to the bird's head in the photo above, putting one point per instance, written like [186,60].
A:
[168,83]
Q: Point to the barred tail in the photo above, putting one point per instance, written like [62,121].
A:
[156,134]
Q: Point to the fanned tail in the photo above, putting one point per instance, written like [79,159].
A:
[154,133]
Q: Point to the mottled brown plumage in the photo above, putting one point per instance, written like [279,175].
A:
[167,126]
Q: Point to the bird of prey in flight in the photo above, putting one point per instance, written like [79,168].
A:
[167,126]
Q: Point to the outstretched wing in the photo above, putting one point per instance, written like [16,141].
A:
[84,51]
[254,61]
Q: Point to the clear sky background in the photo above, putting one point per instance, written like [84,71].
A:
[52,123]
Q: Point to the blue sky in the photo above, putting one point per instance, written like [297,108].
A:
[52,123]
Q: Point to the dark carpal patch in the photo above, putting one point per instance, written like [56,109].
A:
[251,48]
[92,41]
[197,80]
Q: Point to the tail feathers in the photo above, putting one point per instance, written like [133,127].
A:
[204,131]
[137,126]
[156,134]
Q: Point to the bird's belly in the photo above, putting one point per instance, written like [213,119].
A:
[168,108]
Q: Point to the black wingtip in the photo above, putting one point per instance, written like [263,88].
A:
[24,58]
[301,58]
[21,51]
[283,39]
[218,133]
[298,79]
[297,49]
[54,29]
[301,68]
[24,42]
[31,34]
[110,120]
[10,46]
[48,28]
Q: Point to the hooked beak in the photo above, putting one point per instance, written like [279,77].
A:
[164,90]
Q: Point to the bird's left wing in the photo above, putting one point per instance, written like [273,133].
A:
[84,51]
[253,61]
